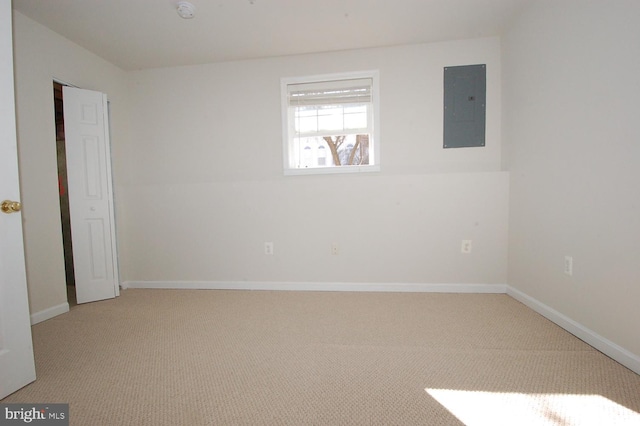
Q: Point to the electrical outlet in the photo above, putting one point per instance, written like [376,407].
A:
[335,249]
[268,248]
[465,247]
[568,265]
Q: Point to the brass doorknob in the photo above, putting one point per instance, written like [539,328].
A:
[10,206]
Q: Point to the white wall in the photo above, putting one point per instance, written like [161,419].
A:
[198,174]
[40,57]
[571,123]
[203,188]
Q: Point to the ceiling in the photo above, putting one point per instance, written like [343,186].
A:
[139,34]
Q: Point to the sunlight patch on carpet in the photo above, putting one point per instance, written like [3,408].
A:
[507,408]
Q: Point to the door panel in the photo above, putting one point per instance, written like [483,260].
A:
[17,367]
[90,194]
[97,245]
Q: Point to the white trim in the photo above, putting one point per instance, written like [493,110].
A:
[319,78]
[319,286]
[332,170]
[49,313]
[64,83]
[374,75]
[618,353]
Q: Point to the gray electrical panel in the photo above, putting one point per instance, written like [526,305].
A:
[465,105]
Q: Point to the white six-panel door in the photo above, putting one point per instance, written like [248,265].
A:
[90,194]
[16,350]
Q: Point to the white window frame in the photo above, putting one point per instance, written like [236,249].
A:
[288,128]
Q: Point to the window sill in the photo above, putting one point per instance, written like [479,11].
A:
[332,170]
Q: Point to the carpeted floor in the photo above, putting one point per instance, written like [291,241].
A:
[211,357]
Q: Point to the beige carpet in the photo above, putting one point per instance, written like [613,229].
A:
[208,357]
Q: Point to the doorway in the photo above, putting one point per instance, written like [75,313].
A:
[65,217]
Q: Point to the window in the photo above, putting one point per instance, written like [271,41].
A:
[330,123]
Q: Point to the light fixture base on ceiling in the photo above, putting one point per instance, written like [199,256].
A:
[186,10]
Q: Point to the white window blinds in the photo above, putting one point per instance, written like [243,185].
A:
[356,91]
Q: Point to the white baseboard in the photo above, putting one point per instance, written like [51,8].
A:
[314,286]
[607,347]
[49,313]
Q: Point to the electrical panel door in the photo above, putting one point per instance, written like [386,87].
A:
[465,106]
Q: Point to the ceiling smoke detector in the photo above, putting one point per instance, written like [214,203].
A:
[186,10]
